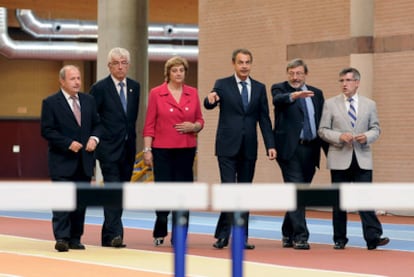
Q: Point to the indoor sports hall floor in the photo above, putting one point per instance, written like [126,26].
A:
[26,248]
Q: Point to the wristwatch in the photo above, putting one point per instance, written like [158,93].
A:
[146,149]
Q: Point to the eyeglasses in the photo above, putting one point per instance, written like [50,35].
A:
[346,80]
[116,63]
[299,74]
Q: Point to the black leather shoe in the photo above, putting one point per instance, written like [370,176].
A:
[220,243]
[249,246]
[339,245]
[117,242]
[287,242]
[76,246]
[62,245]
[379,242]
[301,245]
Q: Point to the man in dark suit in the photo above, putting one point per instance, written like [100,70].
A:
[243,103]
[117,99]
[298,109]
[70,124]
[350,125]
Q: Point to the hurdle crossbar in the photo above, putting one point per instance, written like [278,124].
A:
[372,196]
[17,196]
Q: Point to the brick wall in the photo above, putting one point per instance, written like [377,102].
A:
[268,28]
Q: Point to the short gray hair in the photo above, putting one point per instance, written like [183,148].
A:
[296,63]
[354,71]
[62,71]
[118,52]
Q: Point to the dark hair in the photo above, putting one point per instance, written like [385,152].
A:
[295,63]
[355,73]
[243,51]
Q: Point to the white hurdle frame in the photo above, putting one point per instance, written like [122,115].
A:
[18,196]
[247,197]
[257,197]
[167,196]
[373,196]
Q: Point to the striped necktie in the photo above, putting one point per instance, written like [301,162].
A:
[352,112]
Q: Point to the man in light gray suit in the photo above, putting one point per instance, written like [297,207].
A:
[350,125]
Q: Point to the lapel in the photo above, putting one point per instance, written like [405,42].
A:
[84,107]
[340,104]
[296,103]
[185,98]
[170,99]
[130,94]
[362,111]
[254,95]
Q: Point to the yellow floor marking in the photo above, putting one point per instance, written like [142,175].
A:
[153,261]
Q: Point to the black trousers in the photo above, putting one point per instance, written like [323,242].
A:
[371,227]
[299,169]
[236,169]
[115,172]
[171,165]
[69,225]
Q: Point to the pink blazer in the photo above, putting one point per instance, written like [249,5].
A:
[164,112]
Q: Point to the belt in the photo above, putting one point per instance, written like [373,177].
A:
[306,142]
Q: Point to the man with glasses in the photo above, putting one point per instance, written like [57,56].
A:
[350,125]
[117,100]
[298,109]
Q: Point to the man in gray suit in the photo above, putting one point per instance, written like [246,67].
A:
[350,125]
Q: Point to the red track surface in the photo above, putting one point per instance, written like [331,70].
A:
[381,262]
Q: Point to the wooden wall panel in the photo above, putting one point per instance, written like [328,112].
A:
[25,83]
[30,162]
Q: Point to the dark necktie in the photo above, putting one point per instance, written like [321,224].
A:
[122,96]
[76,109]
[352,112]
[244,95]
[307,130]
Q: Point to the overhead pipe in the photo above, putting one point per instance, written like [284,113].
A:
[49,50]
[77,29]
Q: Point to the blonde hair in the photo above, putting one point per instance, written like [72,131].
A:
[174,61]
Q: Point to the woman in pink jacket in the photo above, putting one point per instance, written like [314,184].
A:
[172,122]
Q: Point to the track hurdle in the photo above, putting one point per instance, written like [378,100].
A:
[17,196]
[243,197]
[372,196]
[169,196]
